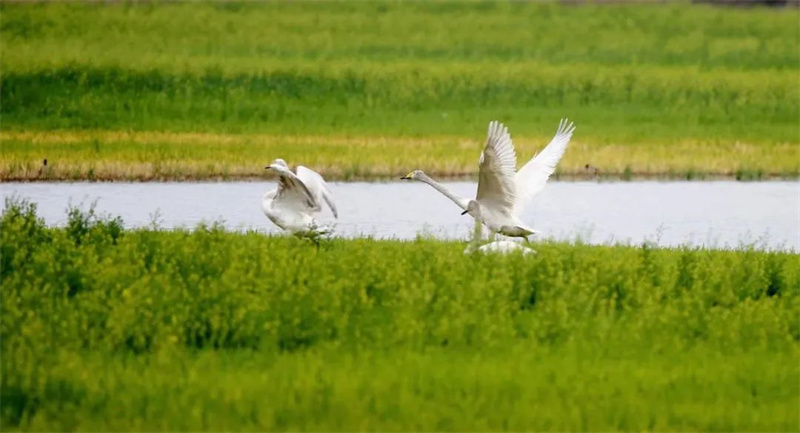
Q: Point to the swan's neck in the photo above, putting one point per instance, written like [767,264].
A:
[460,201]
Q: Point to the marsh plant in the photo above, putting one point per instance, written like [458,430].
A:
[137,329]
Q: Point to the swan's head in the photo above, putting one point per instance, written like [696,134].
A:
[473,208]
[277,163]
[414,175]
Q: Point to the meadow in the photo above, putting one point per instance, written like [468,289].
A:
[107,328]
[192,91]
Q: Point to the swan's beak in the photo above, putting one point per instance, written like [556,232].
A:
[267,167]
[465,212]
[405,177]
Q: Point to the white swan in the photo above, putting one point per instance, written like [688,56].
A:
[500,247]
[291,206]
[502,191]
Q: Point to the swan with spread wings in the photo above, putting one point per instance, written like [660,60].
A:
[502,190]
[298,197]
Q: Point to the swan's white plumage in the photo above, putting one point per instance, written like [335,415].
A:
[298,197]
[317,187]
[532,177]
[502,191]
[498,162]
[292,193]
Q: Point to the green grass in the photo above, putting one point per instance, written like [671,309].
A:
[111,329]
[244,36]
[515,388]
[636,79]
[611,103]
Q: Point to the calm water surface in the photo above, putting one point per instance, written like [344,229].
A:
[716,214]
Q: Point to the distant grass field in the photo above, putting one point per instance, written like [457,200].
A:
[111,329]
[671,90]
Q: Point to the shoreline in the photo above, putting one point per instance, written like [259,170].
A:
[564,177]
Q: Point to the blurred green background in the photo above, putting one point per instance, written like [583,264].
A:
[644,76]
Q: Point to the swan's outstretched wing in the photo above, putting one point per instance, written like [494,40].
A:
[293,193]
[496,185]
[317,186]
[532,177]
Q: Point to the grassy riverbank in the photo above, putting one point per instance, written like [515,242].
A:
[367,90]
[111,329]
[143,156]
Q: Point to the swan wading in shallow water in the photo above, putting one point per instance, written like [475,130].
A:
[298,197]
[502,190]
[500,247]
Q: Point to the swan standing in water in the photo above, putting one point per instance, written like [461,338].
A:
[495,247]
[502,191]
[500,247]
[291,206]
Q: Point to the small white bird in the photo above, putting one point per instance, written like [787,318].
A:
[502,191]
[500,247]
[298,197]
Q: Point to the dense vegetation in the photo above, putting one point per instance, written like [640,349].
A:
[105,328]
[716,83]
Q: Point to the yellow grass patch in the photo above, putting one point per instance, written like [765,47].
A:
[126,155]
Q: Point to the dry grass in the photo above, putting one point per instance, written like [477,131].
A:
[144,156]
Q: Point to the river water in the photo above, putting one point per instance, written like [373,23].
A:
[715,214]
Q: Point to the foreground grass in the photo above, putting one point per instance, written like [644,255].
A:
[510,388]
[670,90]
[110,329]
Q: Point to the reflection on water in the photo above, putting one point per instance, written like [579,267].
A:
[717,214]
